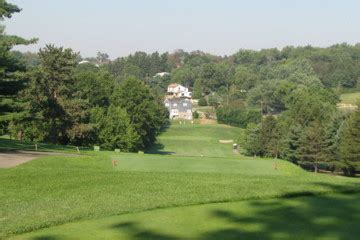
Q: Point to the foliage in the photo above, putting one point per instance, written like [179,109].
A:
[202,102]
[147,114]
[49,94]
[197,92]
[11,67]
[350,143]
[239,117]
[195,115]
[116,130]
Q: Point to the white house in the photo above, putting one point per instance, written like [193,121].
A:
[179,108]
[177,90]
[162,74]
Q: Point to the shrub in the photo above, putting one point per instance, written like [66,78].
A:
[237,117]
[195,115]
[202,102]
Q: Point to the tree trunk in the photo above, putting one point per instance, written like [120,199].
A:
[316,167]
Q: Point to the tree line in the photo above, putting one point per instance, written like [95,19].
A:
[117,103]
[49,97]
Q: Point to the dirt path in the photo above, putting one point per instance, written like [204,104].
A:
[12,159]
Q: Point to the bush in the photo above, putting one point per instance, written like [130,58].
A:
[196,115]
[202,102]
[237,117]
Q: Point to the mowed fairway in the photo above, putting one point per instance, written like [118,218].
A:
[201,190]
[350,98]
[197,140]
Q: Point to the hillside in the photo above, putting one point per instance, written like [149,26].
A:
[350,98]
[197,139]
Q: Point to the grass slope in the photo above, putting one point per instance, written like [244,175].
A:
[196,140]
[350,98]
[323,217]
[54,190]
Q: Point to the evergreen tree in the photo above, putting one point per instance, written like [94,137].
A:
[49,94]
[350,143]
[252,139]
[311,147]
[11,81]
[116,130]
[290,143]
[197,91]
[269,137]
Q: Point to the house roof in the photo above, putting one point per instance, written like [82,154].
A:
[173,85]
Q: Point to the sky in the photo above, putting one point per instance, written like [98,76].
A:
[222,27]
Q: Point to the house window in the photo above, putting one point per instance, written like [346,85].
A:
[185,104]
[175,105]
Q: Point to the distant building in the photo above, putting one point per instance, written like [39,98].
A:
[179,108]
[177,90]
[162,74]
[178,102]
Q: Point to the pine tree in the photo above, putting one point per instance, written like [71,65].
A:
[269,137]
[350,143]
[311,147]
[197,91]
[50,96]
[252,139]
[11,82]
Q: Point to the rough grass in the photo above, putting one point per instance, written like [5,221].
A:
[323,217]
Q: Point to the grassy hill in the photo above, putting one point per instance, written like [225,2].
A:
[197,139]
[350,98]
[90,199]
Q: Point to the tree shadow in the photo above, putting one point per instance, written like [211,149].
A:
[135,231]
[308,217]
[294,216]
[158,149]
[45,237]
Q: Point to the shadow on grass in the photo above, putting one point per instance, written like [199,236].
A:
[45,238]
[158,149]
[301,215]
[297,216]
[136,232]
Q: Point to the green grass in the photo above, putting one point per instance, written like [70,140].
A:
[196,140]
[243,165]
[323,217]
[7,144]
[350,98]
[55,190]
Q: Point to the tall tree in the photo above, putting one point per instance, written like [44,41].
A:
[116,130]
[269,137]
[147,113]
[50,93]
[252,139]
[10,67]
[350,142]
[197,91]
[311,147]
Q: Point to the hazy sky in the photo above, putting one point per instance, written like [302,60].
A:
[120,27]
